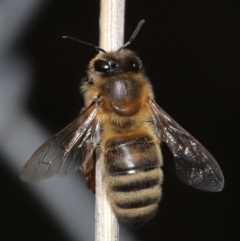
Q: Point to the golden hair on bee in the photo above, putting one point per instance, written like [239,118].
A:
[122,118]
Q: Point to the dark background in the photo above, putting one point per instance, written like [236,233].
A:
[191,53]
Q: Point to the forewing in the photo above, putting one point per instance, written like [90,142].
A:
[68,150]
[194,164]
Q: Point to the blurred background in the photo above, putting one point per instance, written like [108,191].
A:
[191,53]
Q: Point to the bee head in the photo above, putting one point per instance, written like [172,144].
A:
[108,63]
[118,77]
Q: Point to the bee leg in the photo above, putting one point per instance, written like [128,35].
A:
[90,178]
[89,170]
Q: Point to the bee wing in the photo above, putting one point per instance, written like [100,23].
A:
[68,150]
[194,164]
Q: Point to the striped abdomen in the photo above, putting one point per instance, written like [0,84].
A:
[133,177]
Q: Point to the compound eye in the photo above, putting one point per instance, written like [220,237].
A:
[101,66]
[132,65]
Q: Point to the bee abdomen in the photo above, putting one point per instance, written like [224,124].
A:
[127,155]
[134,198]
[136,185]
[133,178]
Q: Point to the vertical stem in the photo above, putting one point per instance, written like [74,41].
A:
[112,24]
[111,38]
[106,224]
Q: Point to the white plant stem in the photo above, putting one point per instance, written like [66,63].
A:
[111,38]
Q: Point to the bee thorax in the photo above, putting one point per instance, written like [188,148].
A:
[123,94]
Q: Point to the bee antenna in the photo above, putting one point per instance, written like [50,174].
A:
[82,42]
[136,31]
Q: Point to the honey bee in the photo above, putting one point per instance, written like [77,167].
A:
[122,119]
